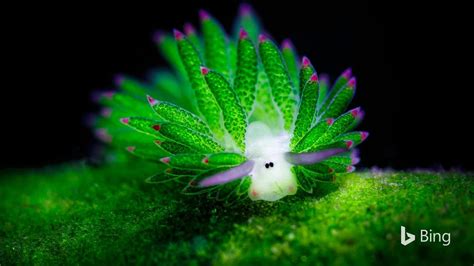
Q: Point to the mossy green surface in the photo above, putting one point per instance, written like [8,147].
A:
[78,214]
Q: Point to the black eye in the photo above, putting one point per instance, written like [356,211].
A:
[271,164]
[266,165]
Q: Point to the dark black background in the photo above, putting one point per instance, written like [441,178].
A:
[409,60]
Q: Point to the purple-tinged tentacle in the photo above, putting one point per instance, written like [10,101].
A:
[355,158]
[311,157]
[229,175]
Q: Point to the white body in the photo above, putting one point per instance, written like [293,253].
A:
[265,147]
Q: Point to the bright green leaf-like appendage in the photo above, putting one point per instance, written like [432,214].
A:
[235,117]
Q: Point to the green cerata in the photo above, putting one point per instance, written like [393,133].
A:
[235,116]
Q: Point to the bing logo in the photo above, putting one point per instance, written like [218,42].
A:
[425,236]
[406,238]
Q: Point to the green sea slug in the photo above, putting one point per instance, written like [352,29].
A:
[235,116]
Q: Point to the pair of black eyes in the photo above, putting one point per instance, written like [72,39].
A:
[268,165]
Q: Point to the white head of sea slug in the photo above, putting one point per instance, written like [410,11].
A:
[271,175]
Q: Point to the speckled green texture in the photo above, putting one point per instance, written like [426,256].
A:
[215,46]
[311,176]
[342,158]
[265,109]
[340,125]
[340,82]
[174,147]
[77,214]
[311,137]
[279,79]
[205,100]
[190,138]
[305,74]
[220,85]
[234,117]
[319,168]
[306,110]
[336,167]
[291,60]
[189,161]
[173,113]
[339,102]
[144,125]
[226,158]
[355,136]
[323,91]
[247,74]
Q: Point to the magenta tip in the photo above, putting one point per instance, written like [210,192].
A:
[158,36]
[131,148]
[364,135]
[330,121]
[189,29]
[165,160]
[125,120]
[156,127]
[178,35]
[350,168]
[286,44]
[205,160]
[349,144]
[151,100]
[314,77]
[347,73]
[352,83]
[203,15]
[355,112]
[245,9]
[262,38]
[305,61]
[204,70]
[243,34]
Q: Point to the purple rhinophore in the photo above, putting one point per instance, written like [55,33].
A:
[311,157]
[229,175]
